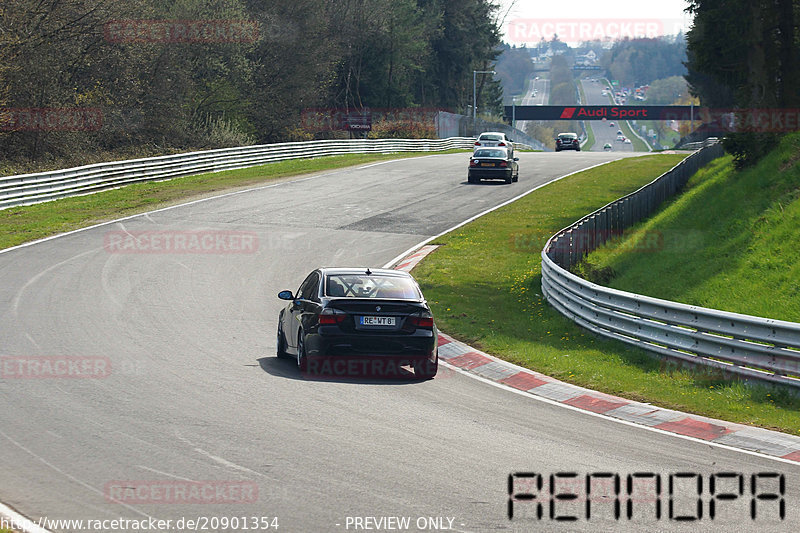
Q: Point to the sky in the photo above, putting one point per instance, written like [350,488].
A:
[578,18]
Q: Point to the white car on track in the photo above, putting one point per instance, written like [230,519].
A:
[494,139]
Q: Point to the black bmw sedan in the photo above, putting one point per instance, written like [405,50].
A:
[568,141]
[492,163]
[349,321]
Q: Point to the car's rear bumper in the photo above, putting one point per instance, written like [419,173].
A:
[420,344]
[490,173]
[356,356]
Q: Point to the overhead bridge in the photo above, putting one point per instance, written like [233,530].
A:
[603,112]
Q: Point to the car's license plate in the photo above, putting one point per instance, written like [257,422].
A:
[487,164]
[377,321]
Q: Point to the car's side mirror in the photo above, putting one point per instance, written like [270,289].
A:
[516,159]
[286,295]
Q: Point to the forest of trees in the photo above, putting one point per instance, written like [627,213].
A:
[514,69]
[745,54]
[246,80]
[636,62]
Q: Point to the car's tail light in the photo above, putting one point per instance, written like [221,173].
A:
[501,144]
[477,143]
[473,163]
[421,321]
[331,316]
[503,164]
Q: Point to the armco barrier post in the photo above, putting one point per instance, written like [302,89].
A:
[563,249]
[580,231]
[570,242]
[613,217]
[604,226]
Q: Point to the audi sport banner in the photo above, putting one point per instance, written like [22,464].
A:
[718,120]
[600,112]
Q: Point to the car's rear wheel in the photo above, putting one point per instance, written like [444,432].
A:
[509,179]
[470,179]
[425,369]
[302,359]
[281,343]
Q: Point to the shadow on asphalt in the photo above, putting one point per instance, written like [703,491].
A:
[286,368]
[494,182]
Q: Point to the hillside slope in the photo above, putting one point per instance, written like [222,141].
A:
[729,242]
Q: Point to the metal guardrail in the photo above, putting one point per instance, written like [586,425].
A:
[747,347]
[27,189]
[699,144]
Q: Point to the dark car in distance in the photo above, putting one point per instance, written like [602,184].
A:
[492,164]
[568,141]
[375,317]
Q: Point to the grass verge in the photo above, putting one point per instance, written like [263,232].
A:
[484,285]
[589,137]
[729,242]
[23,224]
[587,124]
[638,144]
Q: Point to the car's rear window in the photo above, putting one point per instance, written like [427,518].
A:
[371,286]
[490,137]
[489,153]
[566,136]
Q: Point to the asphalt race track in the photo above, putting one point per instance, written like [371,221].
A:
[542,87]
[603,132]
[193,391]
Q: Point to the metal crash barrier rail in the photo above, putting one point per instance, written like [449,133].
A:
[26,189]
[747,347]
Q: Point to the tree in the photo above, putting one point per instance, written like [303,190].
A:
[744,54]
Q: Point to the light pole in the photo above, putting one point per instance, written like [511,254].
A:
[474,100]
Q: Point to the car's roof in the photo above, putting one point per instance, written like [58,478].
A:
[492,133]
[568,134]
[356,271]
